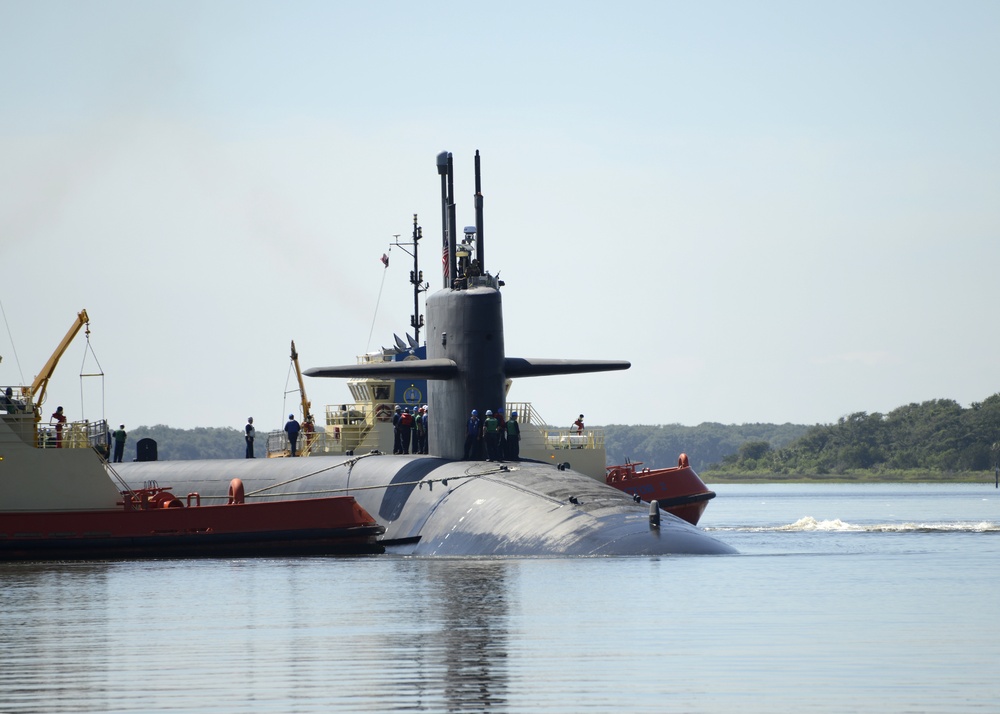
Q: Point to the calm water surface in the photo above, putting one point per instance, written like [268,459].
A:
[844,598]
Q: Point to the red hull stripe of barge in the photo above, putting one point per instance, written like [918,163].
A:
[335,525]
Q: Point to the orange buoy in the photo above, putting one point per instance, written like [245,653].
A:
[236,495]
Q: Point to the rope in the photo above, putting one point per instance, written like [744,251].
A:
[284,398]
[370,488]
[469,474]
[11,338]
[377,302]
[350,464]
[100,373]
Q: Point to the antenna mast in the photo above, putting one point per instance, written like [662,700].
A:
[416,278]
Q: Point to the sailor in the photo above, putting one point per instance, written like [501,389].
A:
[426,423]
[59,418]
[119,436]
[250,434]
[396,446]
[502,434]
[472,436]
[418,431]
[292,429]
[491,433]
[405,430]
[578,425]
[513,438]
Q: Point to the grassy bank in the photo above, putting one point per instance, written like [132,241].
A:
[852,476]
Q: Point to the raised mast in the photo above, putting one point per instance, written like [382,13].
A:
[446,172]
[479,219]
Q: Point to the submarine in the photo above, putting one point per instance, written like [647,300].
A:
[441,504]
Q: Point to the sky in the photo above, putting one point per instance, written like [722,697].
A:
[777,211]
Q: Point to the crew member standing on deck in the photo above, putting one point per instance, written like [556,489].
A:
[405,431]
[250,434]
[491,433]
[59,418]
[418,431]
[120,436]
[397,447]
[472,437]
[502,436]
[578,425]
[292,429]
[513,438]
[426,422]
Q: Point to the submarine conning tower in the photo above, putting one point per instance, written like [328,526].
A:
[466,326]
[466,366]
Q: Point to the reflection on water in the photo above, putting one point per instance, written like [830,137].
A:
[293,635]
[461,656]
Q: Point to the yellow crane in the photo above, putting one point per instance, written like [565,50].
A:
[308,428]
[37,389]
[306,404]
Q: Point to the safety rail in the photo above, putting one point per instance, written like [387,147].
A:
[352,428]
[555,438]
[526,413]
[335,439]
[573,439]
[82,434]
[20,412]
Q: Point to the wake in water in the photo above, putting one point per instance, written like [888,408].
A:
[808,524]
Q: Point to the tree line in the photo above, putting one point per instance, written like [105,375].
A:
[184,444]
[709,443]
[937,436]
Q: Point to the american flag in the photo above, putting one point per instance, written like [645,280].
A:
[385,260]
[444,260]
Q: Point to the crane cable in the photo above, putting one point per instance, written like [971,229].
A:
[284,399]
[11,337]
[378,300]
[100,373]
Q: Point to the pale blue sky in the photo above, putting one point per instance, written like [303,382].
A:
[778,211]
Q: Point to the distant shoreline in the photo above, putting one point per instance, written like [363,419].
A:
[985,477]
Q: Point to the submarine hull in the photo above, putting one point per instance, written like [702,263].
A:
[434,506]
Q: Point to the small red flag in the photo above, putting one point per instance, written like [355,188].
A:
[385,260]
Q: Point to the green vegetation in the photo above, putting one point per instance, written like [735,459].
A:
[185,444]
[705,444]
[935,440]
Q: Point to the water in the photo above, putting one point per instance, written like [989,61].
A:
[844,598]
